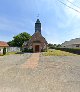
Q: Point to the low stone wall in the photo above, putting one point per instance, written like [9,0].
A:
[13,49]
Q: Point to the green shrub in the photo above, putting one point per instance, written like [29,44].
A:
[71,50]
[51,52]
[27,50]
[4,51]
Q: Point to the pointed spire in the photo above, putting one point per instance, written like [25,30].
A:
[38,21]
[38,26]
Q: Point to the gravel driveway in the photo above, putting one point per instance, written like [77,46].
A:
[52,74]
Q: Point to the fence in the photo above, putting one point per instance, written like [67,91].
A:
[13,49]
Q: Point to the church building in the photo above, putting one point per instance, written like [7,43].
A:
[37,42]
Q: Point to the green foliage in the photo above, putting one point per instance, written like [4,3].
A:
[71,50]
[58,46]
[19,39]
[27,50]
[11,53]
[4,51]
[53,46]
[11,43]
[54,52]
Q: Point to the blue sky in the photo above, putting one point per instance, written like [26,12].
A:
[59,23]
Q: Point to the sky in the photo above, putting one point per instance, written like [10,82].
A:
[59,22]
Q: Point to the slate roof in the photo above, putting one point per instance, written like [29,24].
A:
[73,41]
[3,44]
[37,36]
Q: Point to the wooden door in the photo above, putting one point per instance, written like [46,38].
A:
[36,48]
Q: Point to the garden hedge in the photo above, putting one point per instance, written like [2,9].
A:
[71,50]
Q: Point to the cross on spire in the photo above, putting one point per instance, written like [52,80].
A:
[38,16]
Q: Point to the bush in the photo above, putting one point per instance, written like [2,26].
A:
[71,50]
[4,51]
[52,52]
[27,50]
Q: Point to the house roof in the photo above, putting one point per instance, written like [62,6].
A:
[3,44]
[73,41]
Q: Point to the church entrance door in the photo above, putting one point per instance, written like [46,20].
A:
[37,48]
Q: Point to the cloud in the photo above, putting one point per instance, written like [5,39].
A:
[74,19]
[14,26]
[51,34]
[5,38]
[59,22]
[8,25]
[72,12]
[70,25]
[10,28]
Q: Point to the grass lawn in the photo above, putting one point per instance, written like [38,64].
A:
[1,55]
[57,53]
[10,53]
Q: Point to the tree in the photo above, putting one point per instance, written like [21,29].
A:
[4,51]
[58,46]
[53,46]
[19,39]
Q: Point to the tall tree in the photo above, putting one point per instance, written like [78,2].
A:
[19,39]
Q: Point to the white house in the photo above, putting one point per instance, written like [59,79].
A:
[74,43]
[2,46]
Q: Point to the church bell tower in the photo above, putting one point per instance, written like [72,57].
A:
[38,26]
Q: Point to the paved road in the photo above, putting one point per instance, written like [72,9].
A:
[32,62]
[47,74]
